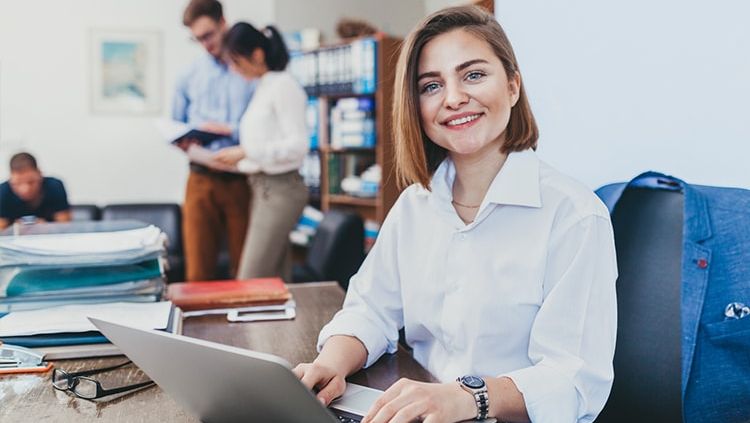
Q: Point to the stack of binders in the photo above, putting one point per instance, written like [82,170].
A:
[353,123]
[92,262]
[335,70]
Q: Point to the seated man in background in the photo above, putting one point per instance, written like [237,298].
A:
[30,195]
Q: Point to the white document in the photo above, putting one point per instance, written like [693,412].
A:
[85,243]
[74,318]
[171,130]
[204,156]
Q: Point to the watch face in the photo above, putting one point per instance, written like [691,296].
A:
[472,382]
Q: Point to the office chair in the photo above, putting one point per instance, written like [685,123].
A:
[648,237]
[85,212]
[168,218]
[336,250]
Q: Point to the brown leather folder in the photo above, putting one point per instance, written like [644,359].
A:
[227,294]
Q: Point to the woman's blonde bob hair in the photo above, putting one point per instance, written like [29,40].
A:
[417,157]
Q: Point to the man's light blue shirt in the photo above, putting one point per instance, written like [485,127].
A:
[210,92]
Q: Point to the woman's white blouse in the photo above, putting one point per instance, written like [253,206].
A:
[526,291]
[273,130]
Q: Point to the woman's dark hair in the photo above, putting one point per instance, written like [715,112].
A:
[242,40]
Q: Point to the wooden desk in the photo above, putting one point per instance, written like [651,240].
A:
[31,398]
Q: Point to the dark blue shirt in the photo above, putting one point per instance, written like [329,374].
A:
[54,200]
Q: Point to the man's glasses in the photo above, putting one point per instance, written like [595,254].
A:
[84,387]
[204,38]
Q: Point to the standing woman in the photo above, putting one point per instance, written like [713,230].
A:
[500,269]
[273,145]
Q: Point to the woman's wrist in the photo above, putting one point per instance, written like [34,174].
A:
[343,354]
[466,407]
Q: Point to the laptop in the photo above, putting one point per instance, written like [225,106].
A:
[220,383]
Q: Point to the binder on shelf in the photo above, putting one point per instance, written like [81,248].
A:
[334,70]
[313,121]
[353,123]
[310,172]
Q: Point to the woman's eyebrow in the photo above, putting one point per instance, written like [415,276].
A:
[459,68]
[466,64]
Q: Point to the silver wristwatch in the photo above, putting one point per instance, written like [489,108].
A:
[475,386]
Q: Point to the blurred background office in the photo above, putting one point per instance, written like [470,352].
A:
[617,88]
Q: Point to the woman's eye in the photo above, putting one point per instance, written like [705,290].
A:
[430,88]
[474,76]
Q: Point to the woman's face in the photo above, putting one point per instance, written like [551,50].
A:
[465,97]
[252,67]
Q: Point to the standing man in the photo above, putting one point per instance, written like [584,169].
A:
[30,195]
[211,97]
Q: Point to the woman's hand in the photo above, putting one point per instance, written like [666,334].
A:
[216,128]
[407,400]
[230,156]
[327,380]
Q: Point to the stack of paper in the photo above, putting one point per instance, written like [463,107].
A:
[66,332]
[79,263]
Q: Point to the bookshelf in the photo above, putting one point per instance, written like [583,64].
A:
[350,86]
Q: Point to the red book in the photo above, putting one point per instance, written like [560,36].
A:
[227,294]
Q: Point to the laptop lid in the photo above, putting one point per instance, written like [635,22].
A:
[217,382]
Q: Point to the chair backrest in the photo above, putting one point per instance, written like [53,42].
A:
[85,212]
[648,236]
[167,217]
[337,249]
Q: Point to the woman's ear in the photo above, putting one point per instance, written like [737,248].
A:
[258,57]
[514,87]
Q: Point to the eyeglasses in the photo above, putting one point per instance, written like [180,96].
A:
[84,387]
[203,38]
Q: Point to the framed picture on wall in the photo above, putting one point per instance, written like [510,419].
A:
[125,72]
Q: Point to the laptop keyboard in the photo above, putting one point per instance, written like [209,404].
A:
[345,417]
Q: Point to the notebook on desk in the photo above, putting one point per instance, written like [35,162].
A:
[190,296]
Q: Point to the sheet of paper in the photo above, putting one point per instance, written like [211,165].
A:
[84,243]
[204,156]
[170,129]
[74,318]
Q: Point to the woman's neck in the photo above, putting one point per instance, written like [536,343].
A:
[474,175]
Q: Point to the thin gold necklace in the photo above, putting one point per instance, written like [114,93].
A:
[464,205]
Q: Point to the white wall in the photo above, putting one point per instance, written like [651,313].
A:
[623,87]
[435,5]
[44,95]
[394,17]
[617,88]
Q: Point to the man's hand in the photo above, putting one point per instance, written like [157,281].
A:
[216,128]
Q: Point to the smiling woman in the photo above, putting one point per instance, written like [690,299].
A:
[500,270]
